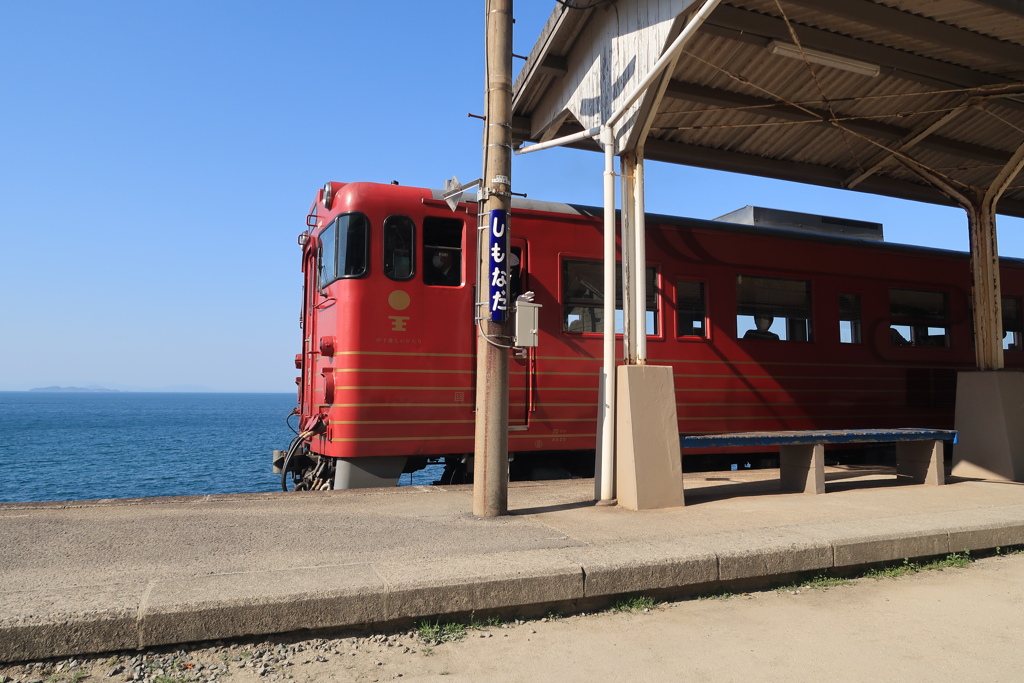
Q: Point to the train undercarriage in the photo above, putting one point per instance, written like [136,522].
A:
[303,470]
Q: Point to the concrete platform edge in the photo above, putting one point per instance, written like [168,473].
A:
[362,596]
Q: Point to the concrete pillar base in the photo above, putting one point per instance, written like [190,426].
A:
[648,464]
[802,468]
[990,426]
[922,461]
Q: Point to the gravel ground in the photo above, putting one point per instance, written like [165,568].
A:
[279,660]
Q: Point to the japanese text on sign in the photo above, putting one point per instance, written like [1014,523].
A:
[498,265]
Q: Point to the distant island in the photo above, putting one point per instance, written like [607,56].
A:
[76,389]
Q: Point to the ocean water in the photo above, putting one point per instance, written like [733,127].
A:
[83,446]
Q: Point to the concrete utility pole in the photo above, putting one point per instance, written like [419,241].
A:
[490,467]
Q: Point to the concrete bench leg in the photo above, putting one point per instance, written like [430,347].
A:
[921,461]
[802,468]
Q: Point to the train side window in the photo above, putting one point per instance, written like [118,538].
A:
[399,243]
[1013,324]
[691,306]
[773,308]
[918,318]
[343,248]
[515,273]
[442,251]
[849,319]
[652,301]
[583,297]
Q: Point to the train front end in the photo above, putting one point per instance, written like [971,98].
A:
[386,367]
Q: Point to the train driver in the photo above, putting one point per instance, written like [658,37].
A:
[446,269]
[760,331]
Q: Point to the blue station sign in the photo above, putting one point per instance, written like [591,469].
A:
[498,265]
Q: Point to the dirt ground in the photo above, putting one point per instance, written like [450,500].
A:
[951,624]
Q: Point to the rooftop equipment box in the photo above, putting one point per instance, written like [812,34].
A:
[805,222]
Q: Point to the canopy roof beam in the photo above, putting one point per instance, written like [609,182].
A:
[736,24]
[770,108]
[919,139]
[922,28]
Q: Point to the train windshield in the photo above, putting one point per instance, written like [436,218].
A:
[343,247]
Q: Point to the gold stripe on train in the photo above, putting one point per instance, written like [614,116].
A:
[377,388]
[463,404]
[689,361]
[694,361]
[395,353]
[526,435]
[400,422]
[403,370]
[402,438]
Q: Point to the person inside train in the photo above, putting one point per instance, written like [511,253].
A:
[445,269]
[760,331]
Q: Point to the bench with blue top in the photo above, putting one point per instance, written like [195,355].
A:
[919,452]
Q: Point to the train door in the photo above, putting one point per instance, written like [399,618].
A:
[521,363]
[307,361]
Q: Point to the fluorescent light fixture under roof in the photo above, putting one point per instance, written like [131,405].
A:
[823,58]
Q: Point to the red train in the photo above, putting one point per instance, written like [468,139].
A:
[766,329]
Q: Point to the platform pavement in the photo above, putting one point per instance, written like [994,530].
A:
[100,576]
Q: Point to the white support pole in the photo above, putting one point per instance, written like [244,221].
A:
[604,472]
[640,250]
[986,288]
[562,141]
[628,260]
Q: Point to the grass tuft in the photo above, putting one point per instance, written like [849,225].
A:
[720,594]
[907,567]
[816,582]
[492,621]
[1012,550]
[437,632]
[635,604]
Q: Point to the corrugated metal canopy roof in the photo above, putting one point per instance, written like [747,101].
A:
[949,94]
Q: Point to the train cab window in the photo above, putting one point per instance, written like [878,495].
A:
[1013,324]
[849,319]
[583,298]
[690,304]
[918,318]
[773,308]
[442,252]
[343,249]
[399,239]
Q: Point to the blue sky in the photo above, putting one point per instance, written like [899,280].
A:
[157,160]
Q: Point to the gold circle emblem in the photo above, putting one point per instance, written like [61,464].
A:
[399,300]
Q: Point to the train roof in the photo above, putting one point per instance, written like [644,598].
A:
[596,212]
